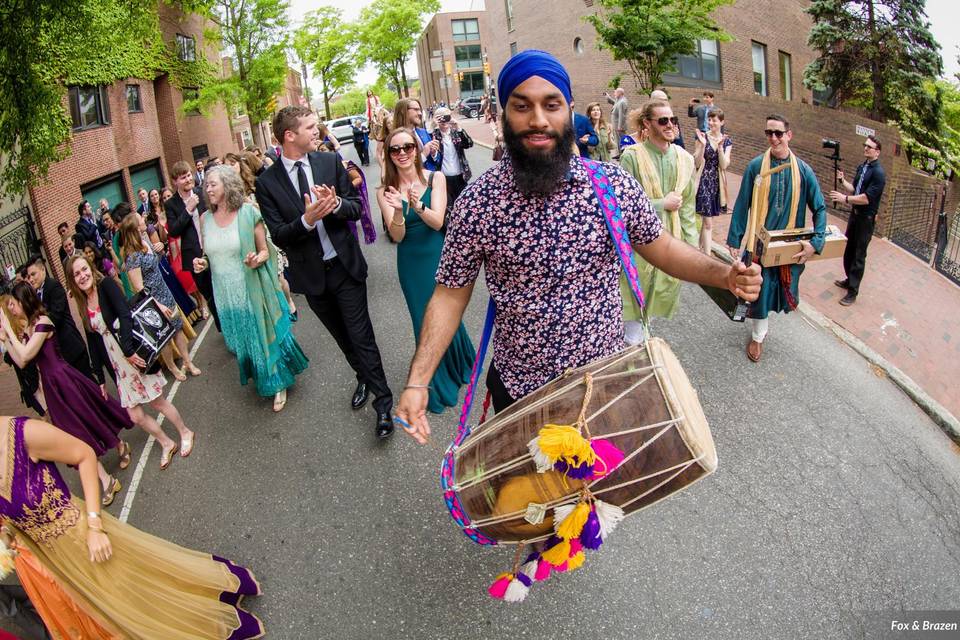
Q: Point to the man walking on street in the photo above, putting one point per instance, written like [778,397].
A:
[618,116]
[786,188]
[864,194]
[533,222]
[306,200]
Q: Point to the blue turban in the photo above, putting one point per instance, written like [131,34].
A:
[526,64]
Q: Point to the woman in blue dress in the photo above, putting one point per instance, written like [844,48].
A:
[253,310]
[413,206]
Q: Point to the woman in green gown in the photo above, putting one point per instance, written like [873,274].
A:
[413,206]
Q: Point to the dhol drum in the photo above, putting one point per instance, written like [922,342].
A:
[638,400]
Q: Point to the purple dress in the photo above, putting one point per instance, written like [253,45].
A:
[149,588]
[708,193]
[74,402]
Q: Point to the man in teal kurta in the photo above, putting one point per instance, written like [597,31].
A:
[667,174]
[767,198]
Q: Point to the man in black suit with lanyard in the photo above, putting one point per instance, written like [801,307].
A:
[183,221]
[306,200]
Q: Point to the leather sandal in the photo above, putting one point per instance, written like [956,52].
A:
[124,452]
[166,457]
[111,492]
[754,350]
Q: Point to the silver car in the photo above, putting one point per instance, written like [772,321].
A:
[342,128]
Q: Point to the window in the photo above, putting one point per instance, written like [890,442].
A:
[472,84]
[133,98]
[89,107]
[759,69]
[190,94]
[466,29]
[701,66]
[513,49]
[468,56]
[508,9]
[578,46]
[200,152]
[786,88]
[186,48]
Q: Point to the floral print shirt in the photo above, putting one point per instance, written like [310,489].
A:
[551,268]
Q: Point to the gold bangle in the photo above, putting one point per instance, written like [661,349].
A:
[402,222]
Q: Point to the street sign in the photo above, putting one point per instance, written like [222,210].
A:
[436,64]
[436,53]
[865,131]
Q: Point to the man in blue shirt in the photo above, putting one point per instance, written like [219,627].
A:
[864,194]
[584,132]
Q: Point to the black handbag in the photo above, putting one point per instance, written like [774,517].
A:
[152,330]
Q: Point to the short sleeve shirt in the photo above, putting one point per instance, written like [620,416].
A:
[551,268]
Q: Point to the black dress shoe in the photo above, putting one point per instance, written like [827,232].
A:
[384,425]
[848,299]
[843,284]
[360,396]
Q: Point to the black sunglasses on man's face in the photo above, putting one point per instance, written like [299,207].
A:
[774,132]
[664,120]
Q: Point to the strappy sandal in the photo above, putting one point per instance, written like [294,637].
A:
[193,370]
[167,456]
[179,375]
[111,492]
[186,444]
[124,452]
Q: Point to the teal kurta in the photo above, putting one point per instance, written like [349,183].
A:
[661,291]
[418,256]
[774,296]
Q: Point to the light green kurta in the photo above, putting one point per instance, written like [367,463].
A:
[662,292]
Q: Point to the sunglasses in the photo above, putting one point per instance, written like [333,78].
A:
[774,132]
[397,149]
[664,120]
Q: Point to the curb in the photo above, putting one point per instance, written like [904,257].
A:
[936,411]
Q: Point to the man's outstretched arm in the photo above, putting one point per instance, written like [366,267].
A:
[682,261]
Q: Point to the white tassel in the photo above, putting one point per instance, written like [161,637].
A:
[529,569]
[560,514]
[609,516]
[516,591]
[540,459]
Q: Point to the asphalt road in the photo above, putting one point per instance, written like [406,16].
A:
[835,498]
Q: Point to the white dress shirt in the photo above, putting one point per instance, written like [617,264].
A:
[290,166]
[451,161]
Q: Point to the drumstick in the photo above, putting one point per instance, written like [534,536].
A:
[406,425]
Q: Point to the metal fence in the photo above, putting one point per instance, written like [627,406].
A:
[18,239]
[913,220]
[947,259]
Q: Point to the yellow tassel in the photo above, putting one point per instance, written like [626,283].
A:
[557,554]
[564,442]
[575,561]
[572,525]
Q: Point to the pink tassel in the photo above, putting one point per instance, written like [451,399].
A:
[561,569]
[575,547]
[499,586]
[543,571]
[609,457]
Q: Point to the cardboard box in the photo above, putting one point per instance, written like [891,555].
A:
[775,248]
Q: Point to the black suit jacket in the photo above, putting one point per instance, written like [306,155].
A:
[282,208]
[180,225]
[72,347]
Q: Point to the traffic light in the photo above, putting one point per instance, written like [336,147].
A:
[486,68]
[460,76]
[448,67]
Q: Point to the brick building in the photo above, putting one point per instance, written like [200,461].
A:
[450,56]
[758,72]
[127,135]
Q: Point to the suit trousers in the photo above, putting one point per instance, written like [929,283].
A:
[455,186]
[342,308]
[859,232]
[205,285]
[499,395]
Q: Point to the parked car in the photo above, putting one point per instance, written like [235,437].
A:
[341,128]
[470,107]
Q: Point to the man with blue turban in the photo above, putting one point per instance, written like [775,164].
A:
[533,222]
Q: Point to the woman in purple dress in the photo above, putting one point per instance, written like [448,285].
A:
[130,583]
[712,157]
[74,402]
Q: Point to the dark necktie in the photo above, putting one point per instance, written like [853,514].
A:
[302,179]
[863,174]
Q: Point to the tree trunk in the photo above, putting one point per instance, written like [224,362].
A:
[326,95]
[876,78]
[258,140]
[403,75]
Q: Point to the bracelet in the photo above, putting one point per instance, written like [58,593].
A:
[847,199]
[417,386]
[93,514]
[402,222]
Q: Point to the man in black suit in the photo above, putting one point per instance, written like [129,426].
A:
[306,200]
[183,221]
[54,299]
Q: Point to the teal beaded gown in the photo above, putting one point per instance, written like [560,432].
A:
[241,327]
[418,255]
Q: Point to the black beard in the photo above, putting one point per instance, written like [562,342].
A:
[538,173]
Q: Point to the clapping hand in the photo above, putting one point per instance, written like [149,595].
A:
[701,137]
[192,201]
[199,264]
[324,202]
[392,196]
[413,197]
[431,147]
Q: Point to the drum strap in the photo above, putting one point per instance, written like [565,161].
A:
[462,429]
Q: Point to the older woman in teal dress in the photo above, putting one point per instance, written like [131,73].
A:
[253,313]
[413,206]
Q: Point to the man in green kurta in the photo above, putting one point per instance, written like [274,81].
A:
[777,190]
[667,174]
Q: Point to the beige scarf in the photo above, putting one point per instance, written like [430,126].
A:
[650,179]
[760,205]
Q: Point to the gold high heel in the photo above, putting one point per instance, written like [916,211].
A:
[111,493]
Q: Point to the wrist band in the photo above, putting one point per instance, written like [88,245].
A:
[93,514]
[417,386]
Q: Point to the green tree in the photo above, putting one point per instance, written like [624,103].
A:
[388,33]
[254,35]
[48,46]
[328,45]
[649,34]
[874,52]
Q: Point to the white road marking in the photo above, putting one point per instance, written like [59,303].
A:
[142,462]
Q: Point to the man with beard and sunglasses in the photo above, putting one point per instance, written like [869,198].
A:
[776,191]
[667,175]
[534,223]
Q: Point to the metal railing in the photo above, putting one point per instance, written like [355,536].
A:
[913,221]
[18,239]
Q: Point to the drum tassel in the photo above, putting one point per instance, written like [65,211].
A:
[514,586]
